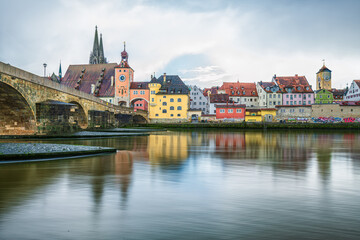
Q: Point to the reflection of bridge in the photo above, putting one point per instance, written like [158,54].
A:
[21,93]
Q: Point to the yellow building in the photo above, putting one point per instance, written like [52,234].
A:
[260,115]
[323,78]
[169,99]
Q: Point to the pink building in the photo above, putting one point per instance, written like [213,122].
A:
[296,90]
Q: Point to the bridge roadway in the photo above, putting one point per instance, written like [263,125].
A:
[21,93]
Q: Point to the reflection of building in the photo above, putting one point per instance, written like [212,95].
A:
[123,169]
[169,149]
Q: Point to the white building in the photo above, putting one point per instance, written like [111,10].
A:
[269,94]
[198,100]
[354,92]
[241,93]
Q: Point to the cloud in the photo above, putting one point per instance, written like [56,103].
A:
[204,43]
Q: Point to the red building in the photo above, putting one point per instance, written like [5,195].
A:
[230,111]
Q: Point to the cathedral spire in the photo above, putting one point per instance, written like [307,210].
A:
[101,51]
[96,43]
[60,73]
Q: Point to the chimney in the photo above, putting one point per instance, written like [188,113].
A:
[164,77]
[112,80]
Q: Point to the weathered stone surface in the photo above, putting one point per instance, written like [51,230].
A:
[20,91]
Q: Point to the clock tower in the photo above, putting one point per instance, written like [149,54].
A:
[124,75]
[323,78]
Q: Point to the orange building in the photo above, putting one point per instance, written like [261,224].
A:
[139,95]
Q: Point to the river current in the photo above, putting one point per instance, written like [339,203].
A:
[190,185]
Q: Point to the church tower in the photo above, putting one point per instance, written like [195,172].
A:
[124,76]
[323,78]
[97,54]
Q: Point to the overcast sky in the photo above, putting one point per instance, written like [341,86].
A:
[204,42]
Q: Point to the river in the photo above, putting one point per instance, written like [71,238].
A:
[190,185]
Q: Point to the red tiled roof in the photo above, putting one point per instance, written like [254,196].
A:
[357,82]
[219,98]
[298,84]
[91,73]
[139,85]
[323,69]
[213,90]
[239,89]
[230,106]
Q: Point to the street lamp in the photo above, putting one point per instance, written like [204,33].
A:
[44,69]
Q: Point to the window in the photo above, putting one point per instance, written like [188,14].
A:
[194,103]
[152,92]
[179,108]
[278,95]
[164,104]
[238,110]
[164,111]
[135,92]
[200,98]
[156,115]
[171,100]
[222,110]
[194,97]
[164,96]
[172,108]
[295,102]
[142,92]
[287,102]
[291,102]
[328,96]
[171,115]
[178,115]
[270,95]
[179,99]
[309,102]
[279,103]
[287,96]
[320,96]
[152,99]
[230,110]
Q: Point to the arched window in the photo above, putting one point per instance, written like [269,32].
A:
[179,99]
[171,108]
[164,104]
[179,108]
[171,100]
[164,111]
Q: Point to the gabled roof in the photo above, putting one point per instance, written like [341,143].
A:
[324,68]
[357,82]
[139,85]
[91,73]
[213,90]
[219,98]
[297,84]
[230,106]
[172,85]
[269,87]
[239,89]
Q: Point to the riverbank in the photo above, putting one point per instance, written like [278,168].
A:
[82,134]
[31,151]
[247,125]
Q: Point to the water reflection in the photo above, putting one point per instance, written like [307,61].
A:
[232,180]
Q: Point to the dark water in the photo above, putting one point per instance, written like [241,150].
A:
[192,185]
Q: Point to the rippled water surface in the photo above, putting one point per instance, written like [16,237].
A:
[190,185]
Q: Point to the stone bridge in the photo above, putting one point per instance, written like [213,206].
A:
[24,97]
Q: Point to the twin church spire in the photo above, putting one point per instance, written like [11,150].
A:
[97,54]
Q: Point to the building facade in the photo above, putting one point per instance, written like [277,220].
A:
[296,90]
[215,99]
[295,113]
[169,99]
[323,78]
[139,95]
[323,96]
[241,93]
[198,100]
[260,114]
[340,110]
[269,94]
[353,94]
[234,112]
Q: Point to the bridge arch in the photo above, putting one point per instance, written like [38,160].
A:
[139,119]
[145,107]
[79,115]
[16,113]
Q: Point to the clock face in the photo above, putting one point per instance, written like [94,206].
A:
[122,78]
